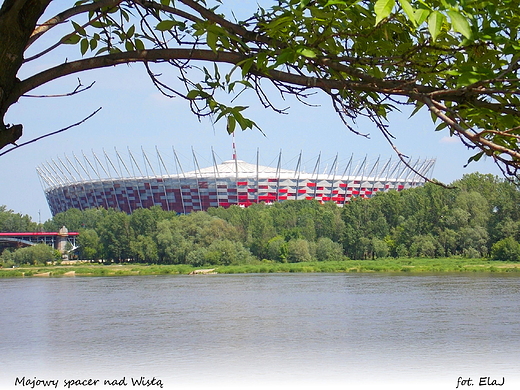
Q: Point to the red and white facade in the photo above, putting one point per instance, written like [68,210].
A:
[233,182]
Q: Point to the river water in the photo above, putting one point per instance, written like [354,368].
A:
[319,331]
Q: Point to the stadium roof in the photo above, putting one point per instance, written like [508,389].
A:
[65,171]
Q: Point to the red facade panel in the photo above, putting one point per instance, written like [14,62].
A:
[267,198]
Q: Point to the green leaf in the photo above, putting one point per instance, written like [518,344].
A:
[211,40]
[435,22]
[421,15]
[468,78]
[97,24]
[129,46]
[165,25]
[279,23]
[441,126]
[460,24]
[246,66]
[93,44]
[84,45]
[72,39]
[139,45]
[80,30]
[285,56]
[261,61]
[408,10]
[102,50]
[130,32]
[418,106]
[383,8]
[309,53]
[476,157]
[193,94]
[231,124]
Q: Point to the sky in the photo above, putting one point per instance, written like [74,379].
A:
[135,115]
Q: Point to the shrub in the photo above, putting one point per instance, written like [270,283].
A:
[298,251]
[328,250]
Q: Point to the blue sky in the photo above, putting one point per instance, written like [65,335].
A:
[134,114]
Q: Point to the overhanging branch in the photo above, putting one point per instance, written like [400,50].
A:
[162,55]
[52,133]
[439,110]
[67,14]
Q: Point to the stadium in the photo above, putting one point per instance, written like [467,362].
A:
[124,184]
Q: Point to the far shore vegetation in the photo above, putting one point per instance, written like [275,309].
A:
[474,227]
[389,265]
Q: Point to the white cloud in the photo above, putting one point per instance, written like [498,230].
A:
[449,140]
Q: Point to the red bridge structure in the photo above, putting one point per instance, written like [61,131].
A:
[58,240]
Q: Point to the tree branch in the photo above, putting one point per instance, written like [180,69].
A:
[438,109]
[49,134]
[161,55]
[79,88]
[63,16]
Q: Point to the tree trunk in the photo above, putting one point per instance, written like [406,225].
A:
[18,19]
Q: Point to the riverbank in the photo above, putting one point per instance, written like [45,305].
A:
[419,265]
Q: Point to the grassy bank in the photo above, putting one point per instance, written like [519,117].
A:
[381,265]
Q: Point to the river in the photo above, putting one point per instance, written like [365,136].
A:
[319,331]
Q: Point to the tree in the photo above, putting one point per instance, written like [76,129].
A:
[458,59]
[507,249]
[35,254]
[73,219]
[277,249]
[172,247]
[115,235]
[144,221]
[379,248]
[423,246]
[144,249]
[14,222]
[226,252]
[89,244]
[474,240]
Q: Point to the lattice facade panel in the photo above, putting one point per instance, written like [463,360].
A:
[233,182]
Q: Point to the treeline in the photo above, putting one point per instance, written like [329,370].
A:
[480,217]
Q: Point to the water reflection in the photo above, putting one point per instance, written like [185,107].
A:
[286,328]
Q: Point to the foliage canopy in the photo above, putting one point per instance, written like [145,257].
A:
[457,58]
